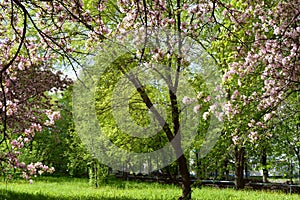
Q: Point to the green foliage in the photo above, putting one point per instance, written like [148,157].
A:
[60,146]
[76,156]
[98,173]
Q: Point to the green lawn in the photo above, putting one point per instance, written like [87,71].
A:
[71,188]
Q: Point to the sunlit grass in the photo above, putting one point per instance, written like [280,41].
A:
[71,188]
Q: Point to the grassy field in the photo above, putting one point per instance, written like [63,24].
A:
[71,188]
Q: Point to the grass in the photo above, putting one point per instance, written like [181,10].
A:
[72,188]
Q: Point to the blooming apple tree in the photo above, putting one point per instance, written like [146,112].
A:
[257,47]
[270,64]
[34,37]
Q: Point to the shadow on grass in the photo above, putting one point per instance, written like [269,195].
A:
[12,195]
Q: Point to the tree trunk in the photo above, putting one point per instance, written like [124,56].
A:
[298,157]
[225,165]
[198,166]
[299,174]
[186,180]
[291,172]
[264,164]
[239,167]
[96,173]
[216,171]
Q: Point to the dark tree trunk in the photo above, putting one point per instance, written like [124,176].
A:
[200,168]
[299,174]
[239,167]
[186,180]
[291,172]
[264,164]
[298,156]
[216,170]
[225,165]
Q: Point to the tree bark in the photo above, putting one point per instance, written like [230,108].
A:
[298,157]
[264,164]
[297,151]
[291,172]
[186,180]
[239,167]
[216,171]
[299,174]
[226,170]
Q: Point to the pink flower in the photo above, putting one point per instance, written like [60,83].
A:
[277,31]
[30,167]
[38,165]
[260,124]
[56,115]
[38,127]
[213,107]
[45,167]
[186,100]
[17,145]
[28,132]
[235,94]
[207,99]
[267,116]
[52,115]
[185,6]
[197,108]
[14,143]
[284,61]
[21,66]
[22,165]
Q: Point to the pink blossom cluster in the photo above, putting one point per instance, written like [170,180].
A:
[32,169]
[265,69]
[52,117]
[235,139]
[187,100]
[214,106]
[36,168]
[11,107]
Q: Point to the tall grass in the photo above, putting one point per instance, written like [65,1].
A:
[72,188]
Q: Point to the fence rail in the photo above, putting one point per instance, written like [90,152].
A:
[287,188]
